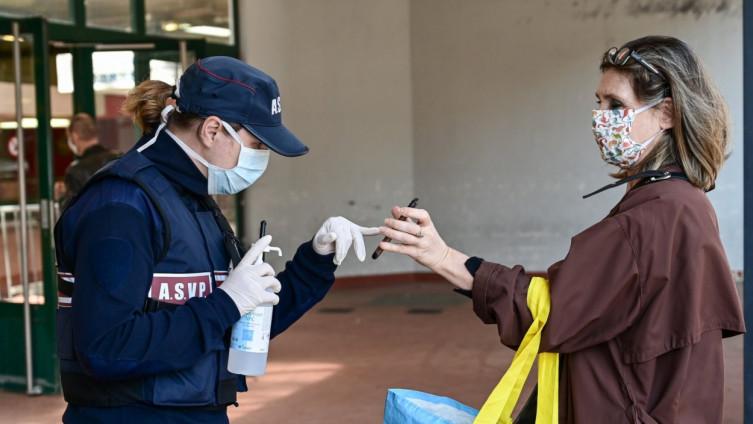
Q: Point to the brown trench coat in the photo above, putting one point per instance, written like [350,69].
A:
[640,305]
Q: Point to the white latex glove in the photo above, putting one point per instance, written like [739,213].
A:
[338,234]
[252,282]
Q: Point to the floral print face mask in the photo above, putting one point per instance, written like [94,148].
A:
[611,128]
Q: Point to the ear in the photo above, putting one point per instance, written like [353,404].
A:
[208,130]
[666,111]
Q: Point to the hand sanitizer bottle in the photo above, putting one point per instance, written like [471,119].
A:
[249,342]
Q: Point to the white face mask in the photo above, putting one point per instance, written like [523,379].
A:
[251,163]
[72,147]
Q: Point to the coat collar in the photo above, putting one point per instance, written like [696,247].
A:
[174,163]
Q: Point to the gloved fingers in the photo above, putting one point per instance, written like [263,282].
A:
[368,231]
[326,238]
[269,298]
[344,241]
[256,250]
[404,226]
[263,270]
[271,283]
[358,243]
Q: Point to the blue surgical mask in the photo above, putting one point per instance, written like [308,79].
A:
[251,164]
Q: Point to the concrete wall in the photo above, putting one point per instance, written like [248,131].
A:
[501,94]
[343,67]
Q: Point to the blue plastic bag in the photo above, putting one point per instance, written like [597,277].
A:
[412,407]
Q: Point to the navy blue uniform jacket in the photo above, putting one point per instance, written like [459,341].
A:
[112,233]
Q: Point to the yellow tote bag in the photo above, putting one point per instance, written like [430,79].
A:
[499,406]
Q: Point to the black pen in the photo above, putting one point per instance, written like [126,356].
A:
[378,252]
[262,233]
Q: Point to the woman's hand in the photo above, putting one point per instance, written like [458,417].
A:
[421,241]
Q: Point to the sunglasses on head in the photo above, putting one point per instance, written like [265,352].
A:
[621,56]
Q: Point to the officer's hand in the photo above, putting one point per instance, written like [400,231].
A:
[252,282]
[338,234]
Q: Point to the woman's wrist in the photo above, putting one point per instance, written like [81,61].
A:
[453,269]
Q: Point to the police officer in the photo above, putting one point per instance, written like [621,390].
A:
[147,293]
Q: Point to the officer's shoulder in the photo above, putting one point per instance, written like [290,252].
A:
[112,192]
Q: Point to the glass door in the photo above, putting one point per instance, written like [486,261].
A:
[71,71]
[26,212]
[10,210]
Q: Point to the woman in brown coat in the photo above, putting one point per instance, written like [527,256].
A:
[642,300]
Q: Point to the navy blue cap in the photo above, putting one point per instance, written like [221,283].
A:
[238,93]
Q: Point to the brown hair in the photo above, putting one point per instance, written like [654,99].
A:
[145,102]
[84,126]
[698,141]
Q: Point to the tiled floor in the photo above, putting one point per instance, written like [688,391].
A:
[335,365]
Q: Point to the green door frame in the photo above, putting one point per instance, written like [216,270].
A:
[12,367]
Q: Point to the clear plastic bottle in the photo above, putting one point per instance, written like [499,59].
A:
[249,341]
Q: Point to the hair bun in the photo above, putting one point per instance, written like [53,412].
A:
[145,102]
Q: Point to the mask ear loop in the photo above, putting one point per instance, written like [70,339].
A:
[661,130]
[237,137]
[649,106]
[164,115]
[233,133]
[166,112]
[190,152]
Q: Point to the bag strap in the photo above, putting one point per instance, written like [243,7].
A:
[233,246]
[499,407]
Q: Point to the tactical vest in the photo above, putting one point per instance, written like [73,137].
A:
[193,262]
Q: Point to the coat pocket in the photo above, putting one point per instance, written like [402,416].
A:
[193,386]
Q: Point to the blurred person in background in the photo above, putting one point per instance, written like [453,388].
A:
[88,157]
